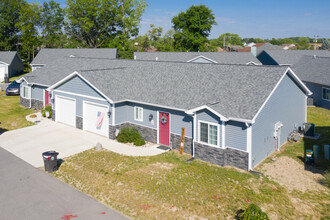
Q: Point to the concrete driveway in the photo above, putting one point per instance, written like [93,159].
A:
[30,142]
[28,193]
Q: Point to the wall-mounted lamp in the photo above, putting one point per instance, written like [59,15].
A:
[109,114]
[151,117]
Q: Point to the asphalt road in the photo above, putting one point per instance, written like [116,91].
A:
[29,193]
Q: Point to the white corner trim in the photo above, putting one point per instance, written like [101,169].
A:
[194,133]
[249,145]
[223,135]
[113,114]
[200,56]
[70,76]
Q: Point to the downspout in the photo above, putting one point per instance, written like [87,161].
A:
[194,130]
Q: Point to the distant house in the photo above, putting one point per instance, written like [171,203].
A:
[48,55]
[316,46]
[10,64]
[288,46]
[314,71]
[233,115]
[256,50]
[287,57]
[199,57]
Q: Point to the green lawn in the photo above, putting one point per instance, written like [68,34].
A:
[12,115]
[166,187]
[321,118]
[11,79]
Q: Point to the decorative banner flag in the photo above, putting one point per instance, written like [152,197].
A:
[99,119]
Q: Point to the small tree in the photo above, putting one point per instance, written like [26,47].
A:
[253,212]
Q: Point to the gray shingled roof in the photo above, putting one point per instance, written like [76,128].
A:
[240,90]
[219,57]
[7,56]
[268,46]
[313,70]
[293,56]
[47,55]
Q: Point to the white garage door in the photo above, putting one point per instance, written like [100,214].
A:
[65,110]
[95,118]
[2,72]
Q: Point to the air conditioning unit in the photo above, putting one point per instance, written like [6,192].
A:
[309,129]
[310,102]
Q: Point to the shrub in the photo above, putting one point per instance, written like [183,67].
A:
[139,142]
[128,135]
[327,178]
[253,212]
[49,109]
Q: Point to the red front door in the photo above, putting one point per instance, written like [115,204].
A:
[46,101]
[164,128]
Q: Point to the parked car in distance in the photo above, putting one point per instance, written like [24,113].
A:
[13,89]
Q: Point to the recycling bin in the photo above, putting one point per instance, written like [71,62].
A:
[309,157]
[50,160]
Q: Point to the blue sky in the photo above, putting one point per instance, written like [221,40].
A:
[248,18]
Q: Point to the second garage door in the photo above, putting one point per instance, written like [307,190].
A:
[95,118]
[65,110]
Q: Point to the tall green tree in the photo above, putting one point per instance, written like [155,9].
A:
[192,28]
[91,22]
[52,22]
[28,24]
[154,34]
[9,16]
[325,45]
[128,18]
[229,38]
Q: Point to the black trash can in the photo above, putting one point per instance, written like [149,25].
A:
[50,161]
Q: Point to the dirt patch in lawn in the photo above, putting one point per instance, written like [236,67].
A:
[292,175]
[155,168]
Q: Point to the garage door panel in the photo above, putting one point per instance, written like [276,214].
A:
[92,113]
[65,110]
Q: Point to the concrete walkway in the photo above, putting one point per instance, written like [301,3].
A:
[30,142]
[28,193]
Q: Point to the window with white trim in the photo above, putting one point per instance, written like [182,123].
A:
[326,93]
[208,133]
[138,113]
[26,92]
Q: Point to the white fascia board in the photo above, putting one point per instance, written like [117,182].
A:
[241,120]
[290,71]
[254,63]
[70,76]
[200,56]
[21,80]
[4,63]
[150,104]
[38,64]
[192,111]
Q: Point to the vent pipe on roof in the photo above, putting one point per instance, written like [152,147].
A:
[314,56]
[156,58]
[135,57]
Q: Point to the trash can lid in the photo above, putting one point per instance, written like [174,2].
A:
[49,153]
[309,151]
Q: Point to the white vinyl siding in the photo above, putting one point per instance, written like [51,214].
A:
[326,93]
[208,133]
[138,113]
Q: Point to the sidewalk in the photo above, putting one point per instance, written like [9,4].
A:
[30,142]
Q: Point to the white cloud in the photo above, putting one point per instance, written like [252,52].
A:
[308,13]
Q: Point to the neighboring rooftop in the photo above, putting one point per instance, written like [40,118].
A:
[315,70]
[48,55]
[267,46]
[219,57]
[236,91]
[7,56]
[290,57]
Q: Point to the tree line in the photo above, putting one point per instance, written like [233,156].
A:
[27,27]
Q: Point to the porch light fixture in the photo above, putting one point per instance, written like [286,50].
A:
[109,114]
[151,117]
